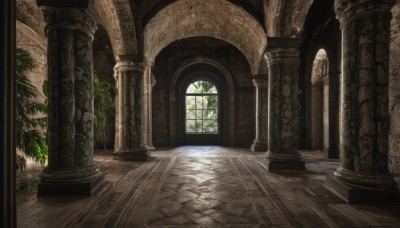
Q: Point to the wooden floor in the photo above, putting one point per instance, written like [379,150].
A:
[207,187]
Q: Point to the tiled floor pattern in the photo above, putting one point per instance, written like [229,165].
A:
[207,187]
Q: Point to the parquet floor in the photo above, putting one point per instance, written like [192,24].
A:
[207,187]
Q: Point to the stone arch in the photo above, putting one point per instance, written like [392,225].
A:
[118,19]
[210,18]
[230,104]
[291,18]
[320,66]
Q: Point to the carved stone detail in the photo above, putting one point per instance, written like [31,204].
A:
[129,144]
[283,66]
[69,18]
[364,117]
[70,102]
[350,10]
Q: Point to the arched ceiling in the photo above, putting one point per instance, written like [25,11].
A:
[292,17]
[219,19]
[243,23]
[285,18]
[149,8]
[118,19]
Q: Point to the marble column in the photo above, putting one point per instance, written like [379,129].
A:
[260,143]
[129,143]
[363,175]
[149,83]
[283,66]
[70,169]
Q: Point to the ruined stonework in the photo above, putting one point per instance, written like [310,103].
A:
[364,117]
[394,92]
[282,114]
[129,144]
[36,45]
[70,102]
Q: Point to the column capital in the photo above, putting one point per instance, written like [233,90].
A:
[282,49]
[283,55]
[260,81]
[350,10]
[69,18]
[129,63]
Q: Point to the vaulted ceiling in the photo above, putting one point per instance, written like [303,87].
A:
[149,8]
[126,22]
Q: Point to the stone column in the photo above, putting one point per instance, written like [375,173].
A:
[283,65]
[70,169]
[363,175]
[129,144]
[149,83]
[260,143]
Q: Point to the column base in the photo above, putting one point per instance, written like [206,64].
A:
[140,154]
[285,165]
[283,161]
[87,187]
[150,147]
[358,195]
[255,147]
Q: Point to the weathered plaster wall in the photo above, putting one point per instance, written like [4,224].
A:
[31,15]
[36,45]
[394,92]
[169,61]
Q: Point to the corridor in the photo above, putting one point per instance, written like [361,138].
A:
[207,187]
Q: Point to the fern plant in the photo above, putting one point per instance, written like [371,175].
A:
[30,138]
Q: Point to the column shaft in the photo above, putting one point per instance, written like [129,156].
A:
[70,103]
[260,142]
[283,64]
[364,118]
[129,144]
[149,83]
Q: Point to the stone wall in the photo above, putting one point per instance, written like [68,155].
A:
[394,93]
[36,45]
[171,58]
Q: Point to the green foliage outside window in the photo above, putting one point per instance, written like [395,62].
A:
[201,108]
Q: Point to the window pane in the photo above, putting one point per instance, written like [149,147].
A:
[213,90]
[199,102]
[201,108]
[190,102]
[211,101]
[199,126]
[190,114]
[210,114]
[199,114]
[210,126]
[190,126]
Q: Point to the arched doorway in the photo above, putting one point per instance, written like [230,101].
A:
[202,113]
[320,102]
[202,102]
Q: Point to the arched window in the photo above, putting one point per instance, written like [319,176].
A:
[201,108]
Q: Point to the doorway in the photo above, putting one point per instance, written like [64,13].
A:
[320,102]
